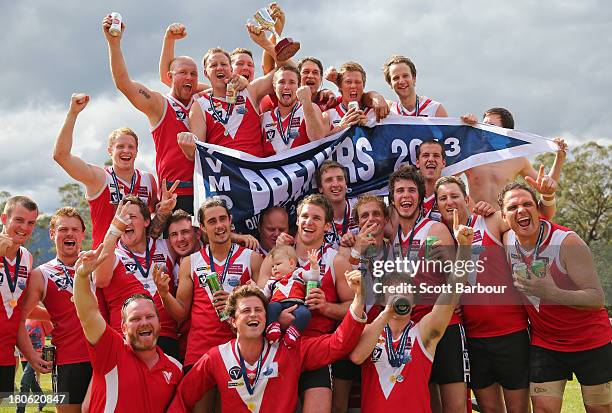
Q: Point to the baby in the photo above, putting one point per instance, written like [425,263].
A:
[286,288]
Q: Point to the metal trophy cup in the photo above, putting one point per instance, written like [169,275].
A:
[286,47]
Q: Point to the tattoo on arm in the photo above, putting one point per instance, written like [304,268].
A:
[158,224]
[144,93]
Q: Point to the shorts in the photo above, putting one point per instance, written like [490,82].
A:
[7,379]
[315,378]
[502,359]
[169,346]
[345,370]
[184,202]
[74,380]
[591,367]
[451,362]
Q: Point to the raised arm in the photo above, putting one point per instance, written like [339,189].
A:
[104,269]
[84,298]
[163,209]
[89,175]
[316,128]
[370,335]
[179,308]
[174,32]
[147,101]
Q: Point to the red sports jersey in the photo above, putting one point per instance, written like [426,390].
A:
[68,335]
[270,101]
[288,287]
[241,131]
[292,129]
[319,324]
[417,253]
[342,226]
[103,205]
[170,161]
[207,330]
[491,315]
[553,326]
[121,382]
[128,280]
[276,388]
[336,114]
[401,389]
[430,208]
[425,108]
[12,302]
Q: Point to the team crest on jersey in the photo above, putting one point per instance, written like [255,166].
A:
[376,353]
[295,122]
[270,135]
[21,283]
[62,282]
[202,280]
[180,115]
[130,267]
[240,100]
[331,238]
[235,372]
[114,198]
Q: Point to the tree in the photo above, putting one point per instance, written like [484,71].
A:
[73,195]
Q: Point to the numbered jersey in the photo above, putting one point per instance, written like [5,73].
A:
[559,327]
[491,314]
[103,205]
[12,302]
[426,108]
[342,226]
[404,388]
[207,330]
[239,129]
[170,162]
[68,335]
[289,133]
[128,279]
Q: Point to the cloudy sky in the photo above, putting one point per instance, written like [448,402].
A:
[546,61]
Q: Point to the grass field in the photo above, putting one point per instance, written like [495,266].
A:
[572,402]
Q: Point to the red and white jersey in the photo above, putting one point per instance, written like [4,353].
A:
[276,387]
[207,330]
[12,303]
[273,131]
[430,208]
[128,280]
[103,205]
[491,315]
[336,114]
[341,226]
[170,162]
[427,108]
[553,326]
[68,334]
[319,324]
[291,286]
[417,253]
[121,382]
[242,130]
[402,389]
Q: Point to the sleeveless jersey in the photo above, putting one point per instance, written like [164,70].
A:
[559,327]
[207,330]
[170,162]
[10,315]
[430,208]
[428,278]
[491,315]
[288,287]
[401,389]
[337,113]
[128,280]
[242,131]
[427,108]
[68,336]
[273,131]
[342,226]
[319,324]
[103,205]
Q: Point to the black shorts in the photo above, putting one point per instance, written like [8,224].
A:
[169,346]
[345,370]
[74,380]
[315,378]
[591,367]
[502,359]
[7,379]
[451,363]
[184,202]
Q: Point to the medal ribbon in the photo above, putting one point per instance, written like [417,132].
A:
[144,273]
[69,281]
[225,266]
[116,184]
[279,122]
[345,222]
[410,238]
[247,383]
[396,357]
[537,246]
[216,114]
[416,108]
[12,282]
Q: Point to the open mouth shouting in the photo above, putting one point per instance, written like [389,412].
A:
[524,222]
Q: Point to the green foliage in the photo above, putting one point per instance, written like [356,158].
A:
[73,195]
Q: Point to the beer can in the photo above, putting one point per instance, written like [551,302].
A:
[520,270]
[310,285]
[538,268]
[212,280]
[115,28]
[401,305]
[231,92]
[429,241]
[48,353]
[353,105]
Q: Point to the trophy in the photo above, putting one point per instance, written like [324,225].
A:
[285,48]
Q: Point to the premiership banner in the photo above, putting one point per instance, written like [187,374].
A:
[370,154]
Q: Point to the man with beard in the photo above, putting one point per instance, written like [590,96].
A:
[449,371]
[127,269]
[273,221]
[570,331]
[52,284]
[295,120]
[167,114]
[105,187]
[130,373]
[18,222]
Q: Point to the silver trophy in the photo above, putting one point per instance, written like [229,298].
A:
[286,47]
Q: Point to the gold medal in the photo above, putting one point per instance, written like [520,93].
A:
[72,298]
[251,406]
[393,379]
[13,303]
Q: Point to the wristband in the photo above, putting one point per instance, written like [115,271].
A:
[113,230]
[548,202]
